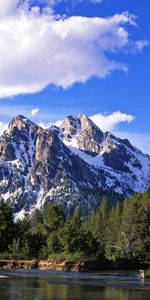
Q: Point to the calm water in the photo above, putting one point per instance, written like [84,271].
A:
[45,285]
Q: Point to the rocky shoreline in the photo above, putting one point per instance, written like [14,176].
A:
[58,265]
[53,265]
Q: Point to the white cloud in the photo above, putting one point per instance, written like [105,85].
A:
[8,7]
[74,2]
[38,49]
[58,123]
[139,45]
[97,1]
[45,125]
[34,111]
[109,122]
[103,121]
[3,127]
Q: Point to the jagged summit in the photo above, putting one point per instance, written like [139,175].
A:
[81,133]
[19,122]
[69,165]
[81,121]
[20,118]
[86,122]
[70,126]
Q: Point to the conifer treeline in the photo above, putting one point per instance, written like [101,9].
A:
[120,233]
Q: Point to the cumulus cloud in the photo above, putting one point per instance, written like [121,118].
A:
[39,48]
[73,2]
[34,112]
[103,121]
[96,1]
[8,7]
[109,122]
[45,125]
[58,123]
[139,45]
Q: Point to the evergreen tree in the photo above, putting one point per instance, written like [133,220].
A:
[112,250]
[121,233]
[7,226]
[134,235]
[53,218]
[97,224]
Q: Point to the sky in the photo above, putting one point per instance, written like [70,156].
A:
[61,57]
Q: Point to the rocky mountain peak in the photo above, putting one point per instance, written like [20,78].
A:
[69,165]
[80,132]
[70,126]
[20,123]
[86,123]
[90,137]
[18,141]
[89,128]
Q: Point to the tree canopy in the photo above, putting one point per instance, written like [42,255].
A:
[118,233]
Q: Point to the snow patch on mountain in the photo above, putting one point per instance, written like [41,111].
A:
[96,161]
[68,165]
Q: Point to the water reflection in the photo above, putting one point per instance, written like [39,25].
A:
[32,285]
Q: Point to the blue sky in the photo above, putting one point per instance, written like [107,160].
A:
[97,66]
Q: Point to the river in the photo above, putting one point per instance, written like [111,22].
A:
[46,285]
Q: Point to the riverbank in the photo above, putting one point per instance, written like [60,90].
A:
[57,265]
[53,265]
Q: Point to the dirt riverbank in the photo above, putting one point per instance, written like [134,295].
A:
[58,265]
[53,265]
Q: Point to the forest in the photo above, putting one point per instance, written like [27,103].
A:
[115,235]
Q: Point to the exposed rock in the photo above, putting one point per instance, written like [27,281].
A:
[71,165]
[70,126]
[88,135]
[60,265]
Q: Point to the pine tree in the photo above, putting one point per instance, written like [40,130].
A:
[112,250]
[97,224]
[7,226]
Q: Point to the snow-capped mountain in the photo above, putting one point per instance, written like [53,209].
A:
[73,164]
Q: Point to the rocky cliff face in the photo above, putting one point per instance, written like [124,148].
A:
[69,165]
[88,136]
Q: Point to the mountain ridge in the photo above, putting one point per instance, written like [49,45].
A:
[69,165]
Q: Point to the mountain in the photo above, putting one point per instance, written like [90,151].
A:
[69,165]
